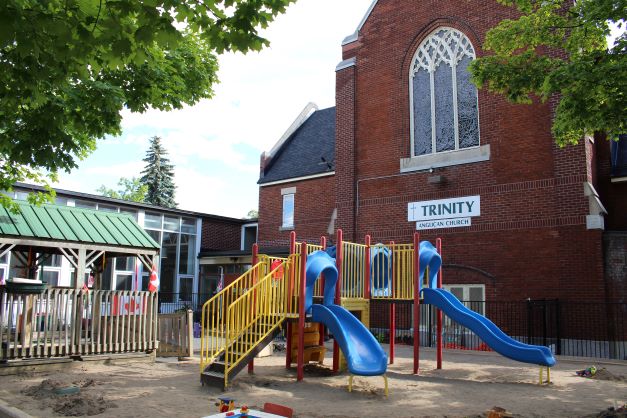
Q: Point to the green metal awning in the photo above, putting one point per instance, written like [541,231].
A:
[74,225]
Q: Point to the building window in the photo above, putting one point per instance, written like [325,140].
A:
[288,211]
[619,156]
[472,295]
[443,100]
[4,268]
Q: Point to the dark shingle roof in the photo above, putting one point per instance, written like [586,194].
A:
[303,153]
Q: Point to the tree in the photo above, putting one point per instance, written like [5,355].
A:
[558,49]
[158,176]
[130,189]
[69,67]
[252,214]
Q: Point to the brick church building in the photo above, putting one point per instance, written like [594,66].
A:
[412,144]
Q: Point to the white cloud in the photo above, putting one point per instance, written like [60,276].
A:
[215,144]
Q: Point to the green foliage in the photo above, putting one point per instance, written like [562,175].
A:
[69,67]
[158,176]
[130,189]
[252,214]
[559,49]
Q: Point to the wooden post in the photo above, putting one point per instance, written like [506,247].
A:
[417,285]
[438,247]
[190,333]
[338,296]
[255,254]
[323,244]
[300,357]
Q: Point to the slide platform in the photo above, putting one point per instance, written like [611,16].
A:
[486,330]
[364,355]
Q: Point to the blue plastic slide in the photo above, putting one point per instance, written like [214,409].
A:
[479,324]
[487,331]
[364,355]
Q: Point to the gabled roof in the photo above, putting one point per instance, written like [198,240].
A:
[69,224]
[309,151]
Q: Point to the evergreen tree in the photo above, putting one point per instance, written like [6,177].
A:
[158,176]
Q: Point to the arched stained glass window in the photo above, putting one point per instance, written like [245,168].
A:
[444,109]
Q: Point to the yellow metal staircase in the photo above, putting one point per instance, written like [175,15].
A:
[243,318]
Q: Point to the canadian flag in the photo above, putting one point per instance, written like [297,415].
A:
[153,284]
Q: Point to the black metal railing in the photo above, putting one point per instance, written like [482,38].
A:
[569,328]
[572,328]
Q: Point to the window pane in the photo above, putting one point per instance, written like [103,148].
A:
[107,208]
[444,118]
[250,237]
[288,211]
[61,201]
[152,220]
[467,106]
[3,259]
[458,292]
[168,262]
[3,275]
[618,150]
[188,226]
[53,260]
[186,287]
[171,224]
[85,205]
[123,281]
[50,277]
[422,113]
[476,293]
[187,254]
[125,263]
[156,235]
[131,212]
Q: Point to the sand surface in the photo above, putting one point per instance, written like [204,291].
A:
[469,385]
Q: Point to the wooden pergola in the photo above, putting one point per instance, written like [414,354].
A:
[62,322]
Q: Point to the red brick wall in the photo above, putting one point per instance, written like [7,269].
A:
[218,235]
[314,202]
[531,234]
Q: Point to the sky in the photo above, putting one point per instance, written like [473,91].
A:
[215,145]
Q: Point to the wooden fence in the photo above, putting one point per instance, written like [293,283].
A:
[73,322]
[176,338]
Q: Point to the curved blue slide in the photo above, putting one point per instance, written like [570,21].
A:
[364,355]
[479,324]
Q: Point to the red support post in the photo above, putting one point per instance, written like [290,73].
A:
[392,306]
[338,296]
[438,247]
[290,293]
[300,359]
[323,244]
[367,283]
[417,284]
[255,256]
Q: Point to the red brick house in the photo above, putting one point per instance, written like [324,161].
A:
[413,144]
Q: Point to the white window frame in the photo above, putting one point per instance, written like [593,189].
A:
[466,292]
[286,195]
[430,67]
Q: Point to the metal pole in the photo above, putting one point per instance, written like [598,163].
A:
[300,359]
[367,268]
[417,284]
[438,246]
[338,296]
[255,253]
[290,294]
[392,327]
[323,244]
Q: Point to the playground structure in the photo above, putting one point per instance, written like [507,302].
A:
[246,315]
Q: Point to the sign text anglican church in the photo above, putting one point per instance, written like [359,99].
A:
[444,213]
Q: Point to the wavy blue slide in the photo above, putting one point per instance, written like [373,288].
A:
[479,324]
[364,355]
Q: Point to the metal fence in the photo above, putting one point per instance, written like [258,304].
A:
[569,328]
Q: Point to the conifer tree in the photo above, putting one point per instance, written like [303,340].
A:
[158,176]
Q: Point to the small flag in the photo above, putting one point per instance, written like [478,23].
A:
[153,284]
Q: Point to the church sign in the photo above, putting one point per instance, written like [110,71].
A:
[444,213]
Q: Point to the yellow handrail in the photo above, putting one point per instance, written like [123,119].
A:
[214,337]
[255,315]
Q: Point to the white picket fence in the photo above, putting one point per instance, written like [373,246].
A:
[72,322]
